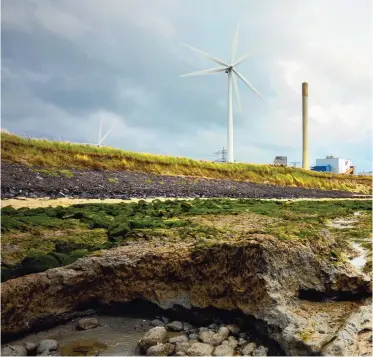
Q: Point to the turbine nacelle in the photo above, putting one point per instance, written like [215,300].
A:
[229,69]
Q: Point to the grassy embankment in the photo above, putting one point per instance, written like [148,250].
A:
[60,157]
[35,240]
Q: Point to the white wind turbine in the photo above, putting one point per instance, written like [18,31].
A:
[232,82]
[102,138]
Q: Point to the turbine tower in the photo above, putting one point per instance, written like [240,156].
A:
[232,72]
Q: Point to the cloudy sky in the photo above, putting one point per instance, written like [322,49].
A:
[66,63]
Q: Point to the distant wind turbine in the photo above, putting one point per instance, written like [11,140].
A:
[232,82]
[102,138]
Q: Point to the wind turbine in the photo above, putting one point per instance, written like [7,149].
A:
[102,138]
[232,72]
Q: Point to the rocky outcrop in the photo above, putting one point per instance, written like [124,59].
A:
[261,277]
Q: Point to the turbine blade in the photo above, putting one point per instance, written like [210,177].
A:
[212,58]
[234,45]
[243,79]
[237,93]
[241,59]
[108,132]
[205,71]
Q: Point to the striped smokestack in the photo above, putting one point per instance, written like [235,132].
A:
[305,161]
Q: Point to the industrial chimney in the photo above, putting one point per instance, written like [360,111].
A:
[305,161]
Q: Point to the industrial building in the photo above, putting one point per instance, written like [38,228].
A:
[334,165]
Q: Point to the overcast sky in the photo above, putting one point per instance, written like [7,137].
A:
[66,63]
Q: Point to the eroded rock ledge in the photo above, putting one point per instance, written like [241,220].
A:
[262,277]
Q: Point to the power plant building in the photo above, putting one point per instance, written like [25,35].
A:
[335,165]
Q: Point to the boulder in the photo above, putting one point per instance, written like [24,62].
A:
[200,349]
[30,347]
[182,347]
[160,349]
[178,339]
[87,323]
[232,342]
[14,350]
[223,350]
[214,338]
[157,322]
[187,326]
[152,337]
[193,336]
[248,349]
[233,329]
[46,345]
[175,326]
[260,351]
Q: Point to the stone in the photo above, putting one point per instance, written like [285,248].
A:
[46,345]
[193,336]
[214,338]
[187,326]
[178,339]
[175,326]
[232,342]
[213,326]
[203,329]
[242,334]
[30,347]
[233,329]
[152,337]
[260,351]
[182,347]
[165,319]
[242,342]
[87,323]
[248,349]
[180,353]
[160,349]
[157,322]
[200,349]
[14,350]
[223,350]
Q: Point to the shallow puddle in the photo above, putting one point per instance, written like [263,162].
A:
[115,336]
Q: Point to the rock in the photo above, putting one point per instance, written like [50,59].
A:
[46,345]
[30,347]
[193,336]
[178,339]
[175,326]
[14,350]
[200,349]
[182,347]
[214,338]
[187,326]
[180,353]
[242,342]
[156,323]
[165,319]
[152,337]
[233,329]
[232,342]
[260,351]
[242,334]
[223,350]
[160,349]
[213,326]
[87,323]
[203,329]
[248,349]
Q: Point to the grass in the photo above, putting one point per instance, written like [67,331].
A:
[53,155]
[35,240]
